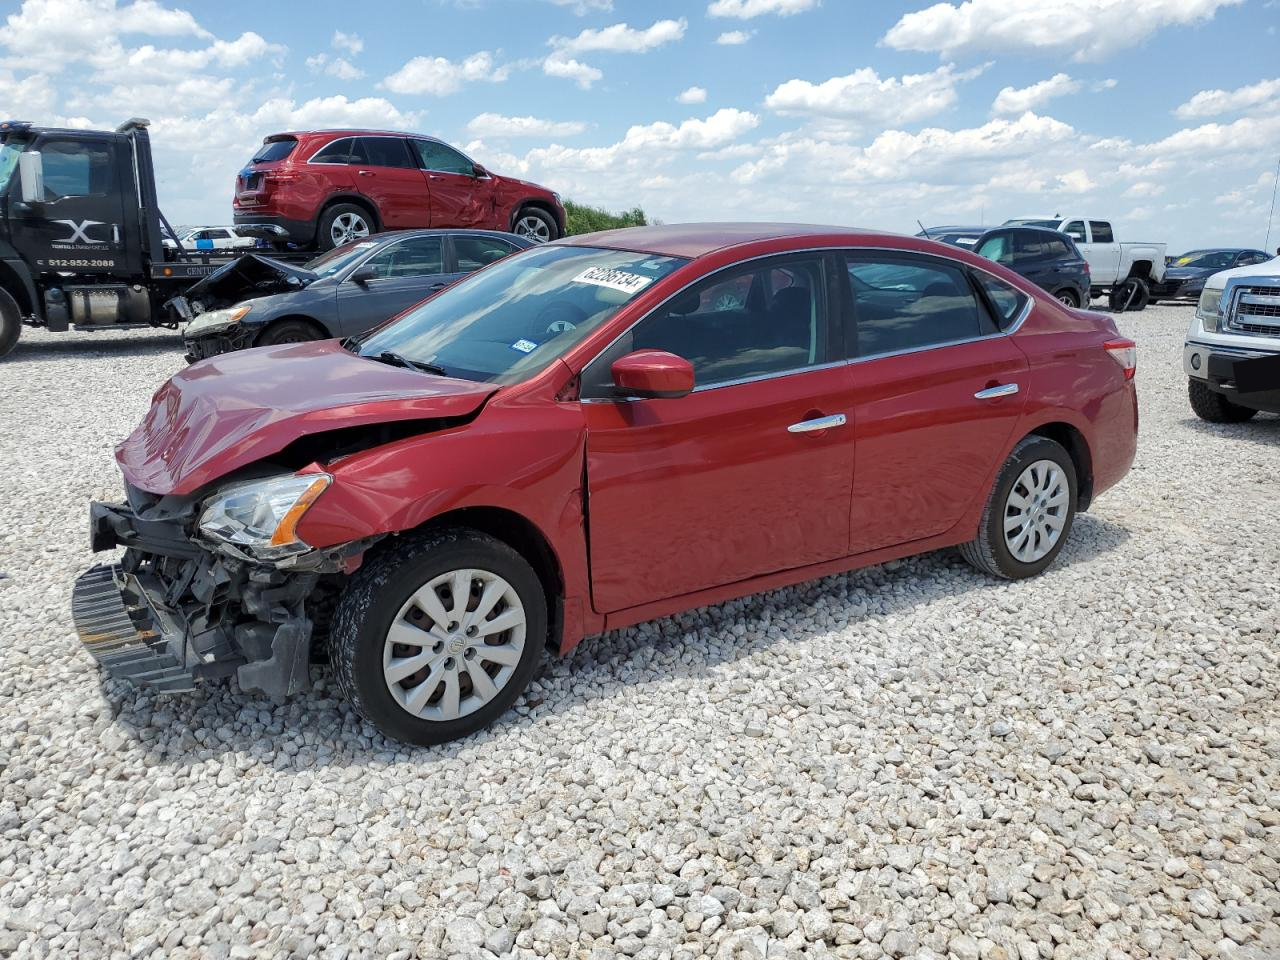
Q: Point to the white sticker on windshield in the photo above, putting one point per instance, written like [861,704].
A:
[613,279]
[524,346]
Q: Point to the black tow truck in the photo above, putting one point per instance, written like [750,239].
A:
[82,235]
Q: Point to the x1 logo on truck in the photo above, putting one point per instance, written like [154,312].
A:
[79,231]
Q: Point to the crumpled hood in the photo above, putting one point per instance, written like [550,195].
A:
[224,413]
[246,277]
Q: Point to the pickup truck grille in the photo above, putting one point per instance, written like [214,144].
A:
[1255,310]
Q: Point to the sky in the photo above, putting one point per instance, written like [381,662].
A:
[1160,115]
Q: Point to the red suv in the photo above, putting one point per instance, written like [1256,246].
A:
[325,188]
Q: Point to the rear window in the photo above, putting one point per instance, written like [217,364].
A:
[274,150]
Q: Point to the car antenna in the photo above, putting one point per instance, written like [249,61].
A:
[923,229]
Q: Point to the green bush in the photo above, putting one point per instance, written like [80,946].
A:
[580,218]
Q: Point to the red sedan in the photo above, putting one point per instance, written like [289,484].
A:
[589,434]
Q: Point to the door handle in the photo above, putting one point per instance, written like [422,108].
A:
[992,393]
[365,173]
[821,423]
[437,286]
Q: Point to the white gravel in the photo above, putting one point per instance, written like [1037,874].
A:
[908,761]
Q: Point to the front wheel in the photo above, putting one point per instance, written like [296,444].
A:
[1213,407]
[436,636]
[1029,514]
[10,323]
[289,331]
[535,225]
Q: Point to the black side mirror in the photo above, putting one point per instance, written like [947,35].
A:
[479,172]
[363,274]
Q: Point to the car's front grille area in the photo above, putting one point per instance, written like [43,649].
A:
[1257,328]
[1255,310]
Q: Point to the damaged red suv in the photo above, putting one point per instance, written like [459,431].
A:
[324,188]
[586,435]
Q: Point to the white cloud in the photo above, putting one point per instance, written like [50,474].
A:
[692,95]
[440,76]
[1022,99]
[734,38]
[746,9]
[622,38]
[583,7]
[496,125]
[349,42]
[1075,181]
[558,65]
[1248,135]
[1264,94]
[1085,29]
[865,96]
[338,67]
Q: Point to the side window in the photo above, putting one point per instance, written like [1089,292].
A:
[344,151]
[436,156]
[731,329]
[1075,230]
[907,304]
[1101,231]
[386,152]
[1006,301]
[75,169]
[1028,246]
[1061,250]
[414,257]
[998,248]
[476,252]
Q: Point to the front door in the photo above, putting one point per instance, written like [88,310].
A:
[79,225]
[390,178]
[405,272]
[930,416]
[738,479]
[458,197]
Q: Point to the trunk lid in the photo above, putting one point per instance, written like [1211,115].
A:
[227,412]
[255,181]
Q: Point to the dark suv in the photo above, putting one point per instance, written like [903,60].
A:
[1045,257]
[325,188]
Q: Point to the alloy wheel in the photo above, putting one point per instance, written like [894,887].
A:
[347,227]
[1036,511]
[454,644]
[533,228]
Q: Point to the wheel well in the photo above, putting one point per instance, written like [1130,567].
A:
[357,201]
[527,540]
[1140,269]
[1073,441]
[320,328]
[538,205]
[12,284]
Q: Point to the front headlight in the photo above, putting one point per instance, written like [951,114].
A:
[261,517]
[1209,310]
[216,321]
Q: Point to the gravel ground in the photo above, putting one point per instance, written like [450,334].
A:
[908,761]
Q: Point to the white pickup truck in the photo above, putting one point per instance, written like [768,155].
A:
[1233,343]
[1123,272]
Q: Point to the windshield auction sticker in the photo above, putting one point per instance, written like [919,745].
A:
[613,279]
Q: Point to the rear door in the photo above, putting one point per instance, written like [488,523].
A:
[1100,250]
[389,176]
[458,197]
[406,271]
[934,402]
[1031,259]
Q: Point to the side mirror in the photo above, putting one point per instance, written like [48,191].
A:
[362,275]
[479,172]
[31,174]
[652,374]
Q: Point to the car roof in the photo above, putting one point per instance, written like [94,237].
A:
[348,132]
[953,228]
[1220,250]
[387,235]
[698,239]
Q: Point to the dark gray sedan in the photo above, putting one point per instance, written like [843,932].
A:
[255,301]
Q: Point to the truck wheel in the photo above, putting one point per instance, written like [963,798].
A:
[10,322]
[437,635]
[289,331]
[535,225]
[1029,514]
[1213,407]
[343,223]
[1132,294]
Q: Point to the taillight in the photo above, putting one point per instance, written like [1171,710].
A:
[1124,352]
[1086,269]
[279,176]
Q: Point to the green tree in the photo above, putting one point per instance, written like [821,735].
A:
[580,218]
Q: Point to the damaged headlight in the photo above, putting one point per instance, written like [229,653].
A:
[261,517]
[215,321]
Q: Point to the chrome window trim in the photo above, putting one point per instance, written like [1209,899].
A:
[391,246]
[447,146]
[325,163]
[1010,331]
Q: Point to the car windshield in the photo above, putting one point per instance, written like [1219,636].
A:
[327,264]
[1206,258]
[9,153]
[1047,224]
[508,321]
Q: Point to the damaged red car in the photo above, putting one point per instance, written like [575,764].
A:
[589,434]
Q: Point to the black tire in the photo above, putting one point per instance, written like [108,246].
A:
[290,331]
[10,323]
[989,552]
[1213,407]
[376,593]
[1067,296]
[325,239]
[525,228]
[1130,295]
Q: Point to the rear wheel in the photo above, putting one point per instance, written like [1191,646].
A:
[1029,514]
[10,322]
[1132,294]
[1213,407]
[343,223]
[436,637]
[290,331]
[535,225]
[1068,296]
